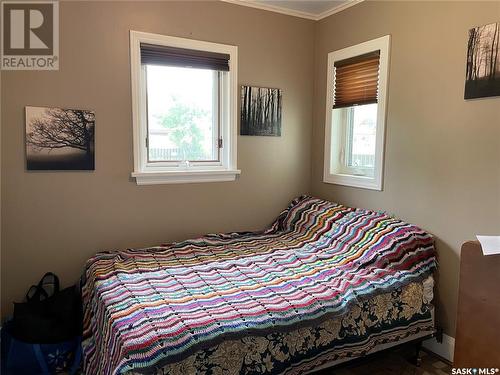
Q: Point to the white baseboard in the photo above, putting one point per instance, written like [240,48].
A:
[444,349]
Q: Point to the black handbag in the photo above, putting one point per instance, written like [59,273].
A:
[49,315]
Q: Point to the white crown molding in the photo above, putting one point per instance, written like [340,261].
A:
[291,12]
[271,8]
[337,9]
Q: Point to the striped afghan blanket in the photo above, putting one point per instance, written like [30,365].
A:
[149,307]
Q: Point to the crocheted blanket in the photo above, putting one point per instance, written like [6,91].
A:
[145,308]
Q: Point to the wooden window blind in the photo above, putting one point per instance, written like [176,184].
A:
[182,57]
[356,80]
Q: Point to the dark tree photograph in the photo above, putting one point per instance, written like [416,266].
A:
[59,139]
[260,111]
[483,64]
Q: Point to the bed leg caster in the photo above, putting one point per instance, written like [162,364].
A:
[439,335]
[417,360]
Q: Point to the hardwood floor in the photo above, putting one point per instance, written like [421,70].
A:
[394,363]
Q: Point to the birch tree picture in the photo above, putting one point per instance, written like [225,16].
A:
[483,62]
[260,111]
[59,139]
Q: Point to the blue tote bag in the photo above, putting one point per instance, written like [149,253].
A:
[44,336]
[19,357]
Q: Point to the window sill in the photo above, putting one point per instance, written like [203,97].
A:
[353,181]
[184,177]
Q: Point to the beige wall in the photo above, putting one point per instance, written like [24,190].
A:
[442,167]
[56,220]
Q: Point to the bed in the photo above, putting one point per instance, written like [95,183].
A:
[323,284]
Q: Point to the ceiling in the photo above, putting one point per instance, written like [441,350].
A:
[310,9]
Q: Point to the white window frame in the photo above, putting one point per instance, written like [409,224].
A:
[375,183]
[153,173]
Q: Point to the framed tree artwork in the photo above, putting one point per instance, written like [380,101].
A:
[260,111]
[59,139]
[483,62]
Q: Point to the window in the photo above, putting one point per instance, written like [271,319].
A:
[184,109]
[355,114]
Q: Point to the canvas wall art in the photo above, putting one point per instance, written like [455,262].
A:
[260,111]
[483,62]
[59,139]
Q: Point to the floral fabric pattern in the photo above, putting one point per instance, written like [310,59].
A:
[384,318]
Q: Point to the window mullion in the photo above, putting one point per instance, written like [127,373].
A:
[217,125]
[144,115]
[350,136]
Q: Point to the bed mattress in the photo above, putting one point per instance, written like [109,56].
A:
[368,326]
[150,310]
